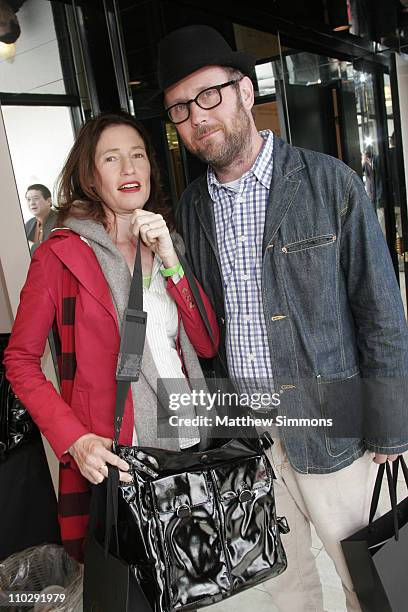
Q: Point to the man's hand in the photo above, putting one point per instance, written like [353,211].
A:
[153,231]
[378,458]
[92,453]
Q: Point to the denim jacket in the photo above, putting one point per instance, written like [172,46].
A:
[331,301]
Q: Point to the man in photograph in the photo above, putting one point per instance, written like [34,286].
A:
[38,198]
[287,246]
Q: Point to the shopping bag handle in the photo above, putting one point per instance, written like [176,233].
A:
[111,516]
[395,465]
[108,496]
[392,489]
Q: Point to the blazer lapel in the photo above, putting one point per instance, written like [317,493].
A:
[79,258]
[284,187]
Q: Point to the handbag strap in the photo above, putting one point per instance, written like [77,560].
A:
[133,335]
[392,492]
[133,328]
[112,507]
[135,325]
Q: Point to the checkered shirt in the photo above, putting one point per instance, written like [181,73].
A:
[239,222]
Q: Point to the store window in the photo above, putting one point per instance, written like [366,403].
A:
[39,139]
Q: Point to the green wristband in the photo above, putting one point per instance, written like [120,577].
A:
[177,269]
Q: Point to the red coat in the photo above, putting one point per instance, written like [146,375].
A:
[97,340]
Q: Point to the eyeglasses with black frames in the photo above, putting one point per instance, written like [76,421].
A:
[207,99]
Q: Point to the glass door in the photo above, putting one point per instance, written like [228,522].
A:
[344,109]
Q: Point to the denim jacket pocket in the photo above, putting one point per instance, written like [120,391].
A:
[340,401]
[309,243]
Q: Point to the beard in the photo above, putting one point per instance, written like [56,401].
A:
[236,139]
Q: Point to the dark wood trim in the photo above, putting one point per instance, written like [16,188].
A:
[27,99]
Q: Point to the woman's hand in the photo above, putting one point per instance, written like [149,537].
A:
[155,234]
[92,453]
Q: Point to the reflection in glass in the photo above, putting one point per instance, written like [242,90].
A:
[176,164]
[39,139]
[394,188]
[265,79]
[367,129]
[44,219]
[330,106]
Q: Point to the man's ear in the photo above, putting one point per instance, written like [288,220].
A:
[247,92]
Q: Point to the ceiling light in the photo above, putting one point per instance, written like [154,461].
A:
[7,52]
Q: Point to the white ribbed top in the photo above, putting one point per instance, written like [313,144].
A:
[161,331]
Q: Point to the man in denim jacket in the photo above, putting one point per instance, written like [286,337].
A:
[287,245]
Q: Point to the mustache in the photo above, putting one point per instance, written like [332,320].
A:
[203,130]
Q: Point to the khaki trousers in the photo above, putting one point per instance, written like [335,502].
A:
[337,504]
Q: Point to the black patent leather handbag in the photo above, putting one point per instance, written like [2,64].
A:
[16,424]
[194,527]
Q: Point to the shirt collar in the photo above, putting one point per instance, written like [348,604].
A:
[262,168]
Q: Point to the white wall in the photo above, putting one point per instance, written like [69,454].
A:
[36,67]
[6,316]
[14,262]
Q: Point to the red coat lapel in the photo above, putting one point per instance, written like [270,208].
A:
[79,258]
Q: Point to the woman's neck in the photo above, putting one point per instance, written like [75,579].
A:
[121,234]
[119,228]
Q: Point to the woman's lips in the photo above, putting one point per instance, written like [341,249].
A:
[130,187]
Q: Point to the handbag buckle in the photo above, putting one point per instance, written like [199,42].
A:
[266,441]
[245,496]
[132,344]
[283,524]
[183,511]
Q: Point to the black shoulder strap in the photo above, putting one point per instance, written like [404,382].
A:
[133,335]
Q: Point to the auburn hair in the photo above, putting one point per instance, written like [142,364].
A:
[75,193]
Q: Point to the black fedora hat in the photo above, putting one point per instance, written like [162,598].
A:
[188,49]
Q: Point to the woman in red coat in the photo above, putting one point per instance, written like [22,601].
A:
[109,198]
